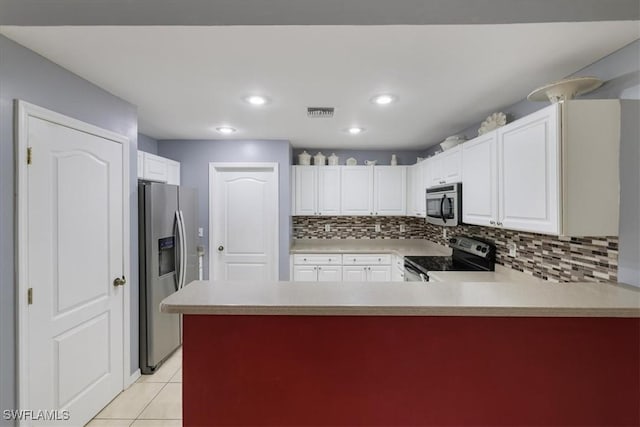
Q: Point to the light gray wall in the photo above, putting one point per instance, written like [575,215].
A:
[405,157]
[32,78]
[195,156]
[299,12]
[147,144]
[621,73]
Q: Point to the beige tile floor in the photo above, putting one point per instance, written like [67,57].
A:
[153,401]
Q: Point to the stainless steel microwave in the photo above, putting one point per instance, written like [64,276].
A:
[444,204]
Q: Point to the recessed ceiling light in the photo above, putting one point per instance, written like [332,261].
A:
[226,130]
[355,130]
[383,99]
[256,100]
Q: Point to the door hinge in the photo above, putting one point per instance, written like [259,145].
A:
[28,155]
[30,296]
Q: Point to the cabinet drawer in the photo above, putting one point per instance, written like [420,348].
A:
[318,259]
[369,259]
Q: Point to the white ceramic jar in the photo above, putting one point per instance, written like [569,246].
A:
[319,159]
[304,159]
[333,159]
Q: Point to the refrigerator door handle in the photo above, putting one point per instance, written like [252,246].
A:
[178,254]
[183,252]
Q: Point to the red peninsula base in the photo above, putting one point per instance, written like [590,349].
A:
[410,371]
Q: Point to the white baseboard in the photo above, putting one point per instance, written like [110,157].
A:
[132,379]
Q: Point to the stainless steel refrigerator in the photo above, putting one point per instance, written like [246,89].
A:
[168,261]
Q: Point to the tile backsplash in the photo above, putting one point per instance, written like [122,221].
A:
[557,259]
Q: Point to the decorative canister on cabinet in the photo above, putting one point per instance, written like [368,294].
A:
[319,159]
[333,159]
[394,160]
[304,159]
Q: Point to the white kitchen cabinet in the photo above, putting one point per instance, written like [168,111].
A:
[305,273]
[155,168]
[480,181]
[354,273]
[140,164]
[329,273]
[329,186]
[173,172]
[379,273]
[306,190]
[555,172]
[357,190]
[420,183]
[317,190]
[317,268]
[528,175]
[390,190]
[445,168]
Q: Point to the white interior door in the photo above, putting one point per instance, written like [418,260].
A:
[75,233]
[243,209]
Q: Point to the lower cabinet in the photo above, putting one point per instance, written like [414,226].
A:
[345,268]
[317,273]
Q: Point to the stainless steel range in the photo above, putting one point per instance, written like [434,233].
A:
[469,254]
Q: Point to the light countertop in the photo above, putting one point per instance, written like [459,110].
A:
[501,274]
[402,247]
[515,298]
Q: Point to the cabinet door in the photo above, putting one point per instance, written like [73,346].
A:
[480,180]
[528,176]
[140,164]
[390,190]
[155,168]
[329,190]
[357,190]
[450,165]
[420,183]
[173,172]
[305,273]
[329,273]
[354,273]
[306,190]
[433,173]
[379,273]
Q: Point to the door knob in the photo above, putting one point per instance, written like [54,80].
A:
[119,281]
[220,248]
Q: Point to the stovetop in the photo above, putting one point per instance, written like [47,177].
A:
[439,263]
[469,254]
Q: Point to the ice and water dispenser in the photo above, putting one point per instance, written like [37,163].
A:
[167,255]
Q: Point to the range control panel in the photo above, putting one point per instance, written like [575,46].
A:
[472,246]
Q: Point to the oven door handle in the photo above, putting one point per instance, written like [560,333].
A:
[444,197]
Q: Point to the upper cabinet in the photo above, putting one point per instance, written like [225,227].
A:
[390,196]
[317,190]
[357,190]
[541,173]
[445,168]
[156,168]
[417,182]
[350,190]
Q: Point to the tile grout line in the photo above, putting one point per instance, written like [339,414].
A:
[147,405]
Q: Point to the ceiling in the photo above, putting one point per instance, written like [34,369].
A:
[186,81]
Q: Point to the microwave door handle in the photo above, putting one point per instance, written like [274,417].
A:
[444,197]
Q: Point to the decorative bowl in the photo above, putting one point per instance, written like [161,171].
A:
[451,142]
[565,89]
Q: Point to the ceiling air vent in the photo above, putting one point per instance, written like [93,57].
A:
[320,112]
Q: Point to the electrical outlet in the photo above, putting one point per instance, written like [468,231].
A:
[403,228]
[327,228]
[378,229]
[513,249]
[444,233]
[200,232]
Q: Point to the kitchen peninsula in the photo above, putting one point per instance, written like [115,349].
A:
[457,353]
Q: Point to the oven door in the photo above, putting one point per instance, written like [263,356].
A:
[413,275]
